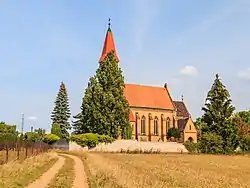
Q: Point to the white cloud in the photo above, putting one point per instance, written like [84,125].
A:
[32,118]
[244,74]
[189,71]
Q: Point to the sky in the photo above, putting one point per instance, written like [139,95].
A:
[178,42]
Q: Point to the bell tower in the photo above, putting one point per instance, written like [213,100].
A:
[109,45]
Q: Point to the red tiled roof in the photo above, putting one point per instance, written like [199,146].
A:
[109,45]
[148,96]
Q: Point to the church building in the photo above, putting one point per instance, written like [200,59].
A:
[152,110]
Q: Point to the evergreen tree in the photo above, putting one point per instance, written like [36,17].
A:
[105,109]
[61,112]
[56,130]
[218,113]
[78,124]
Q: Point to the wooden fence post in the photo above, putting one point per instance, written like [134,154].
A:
[32,149]
[7,153]
[40,147]
[26,150]
[18,150]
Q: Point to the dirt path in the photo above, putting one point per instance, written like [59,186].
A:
[80,176]
[44,180]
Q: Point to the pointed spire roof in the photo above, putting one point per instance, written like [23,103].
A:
[109,45]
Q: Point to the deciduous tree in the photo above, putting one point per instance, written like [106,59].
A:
[245,117]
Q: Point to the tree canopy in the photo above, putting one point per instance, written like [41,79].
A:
[56,130]
[217,117]
[7,132]
[104,109]
[245,117]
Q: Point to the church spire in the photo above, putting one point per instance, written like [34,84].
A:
[109,45]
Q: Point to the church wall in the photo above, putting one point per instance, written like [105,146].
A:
[161,115]
[190,131]
[133,127]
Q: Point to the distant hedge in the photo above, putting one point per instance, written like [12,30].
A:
[50,138]
[90,139]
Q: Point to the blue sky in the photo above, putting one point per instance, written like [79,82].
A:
[178,42]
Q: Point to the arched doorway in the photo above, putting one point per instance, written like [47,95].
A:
[190,139]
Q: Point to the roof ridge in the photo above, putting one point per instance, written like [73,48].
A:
[143,85]
[179,101]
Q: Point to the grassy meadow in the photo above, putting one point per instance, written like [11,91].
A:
[111,170]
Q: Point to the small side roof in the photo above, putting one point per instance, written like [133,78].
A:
[182,124]
[181,109]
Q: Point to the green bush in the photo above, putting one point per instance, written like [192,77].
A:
[245,143]
[50,138]
[211,143]
[105,139]
[191,147]
[31,137]
[90,139]
[173,132]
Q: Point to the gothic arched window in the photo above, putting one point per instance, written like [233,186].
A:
[173,122]
[156,126]
[143,125]
[168,124]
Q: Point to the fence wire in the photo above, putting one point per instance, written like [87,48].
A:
[20,150]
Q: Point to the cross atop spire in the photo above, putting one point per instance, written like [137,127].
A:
[109,44]
[109,22]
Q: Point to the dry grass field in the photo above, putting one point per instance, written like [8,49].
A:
[64,178]
[13,155]
[109,170]
[19,174]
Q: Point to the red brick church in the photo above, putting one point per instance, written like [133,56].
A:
[152,110]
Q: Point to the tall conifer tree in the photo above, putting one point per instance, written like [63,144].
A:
[105,109]
[61,113]
[218,112]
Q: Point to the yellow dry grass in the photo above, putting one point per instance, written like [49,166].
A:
[108,170]
[65,177]
[12,155]
[19,174]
